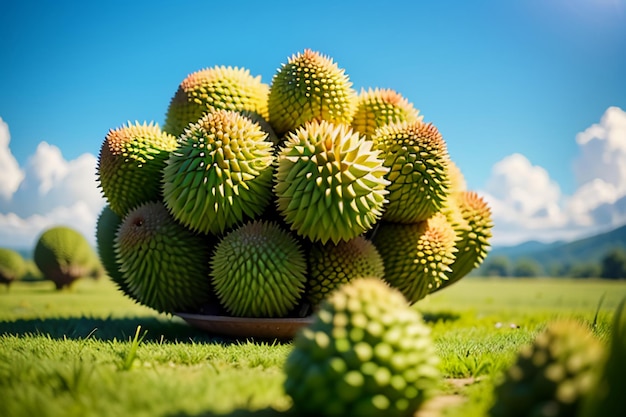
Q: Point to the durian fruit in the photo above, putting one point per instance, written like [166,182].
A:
[106,230]
[332,265]
[474,238]
[329,182]
[63,255]
[258,270]
[12,266]
[310,87]
[606,397]
[366,353]
[216,88]
[130,163]
[164,265]
[417,157]
[379,107]
[550,376]
[417,257]
[220,175]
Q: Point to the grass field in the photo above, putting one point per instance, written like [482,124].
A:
[91,351]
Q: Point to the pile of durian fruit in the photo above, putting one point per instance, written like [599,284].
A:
[259,200]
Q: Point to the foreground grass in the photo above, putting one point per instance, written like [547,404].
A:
[93,352]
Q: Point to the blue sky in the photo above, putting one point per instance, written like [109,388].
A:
[529,95]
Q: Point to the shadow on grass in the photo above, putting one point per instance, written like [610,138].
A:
[440,316]
[265,412]
[121,329]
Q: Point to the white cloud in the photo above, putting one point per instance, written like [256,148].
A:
[527,204]
[10,173]
[50,191]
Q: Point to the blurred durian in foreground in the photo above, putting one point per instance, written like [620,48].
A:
[379,107]
[551,375]
[329,182]
[416,257]
[606,397]
[216,88]
[130,163]
[417,158]
[221,175]
[258,270]
[164,265]
[366,353]
[310,86]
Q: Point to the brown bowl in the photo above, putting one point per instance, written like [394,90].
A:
[265,328]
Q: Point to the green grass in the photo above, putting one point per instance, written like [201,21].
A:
[91,351]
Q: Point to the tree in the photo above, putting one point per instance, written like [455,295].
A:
[498,266]
[63,255]
[12,266]
[614,264]
[585,270]
[527,267]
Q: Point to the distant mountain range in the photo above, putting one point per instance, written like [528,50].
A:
[590,249]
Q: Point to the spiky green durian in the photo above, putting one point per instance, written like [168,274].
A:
[332,265]
[165,266]
[417,158]
[310,87]
[329,182]
[417,256]
[551,375]
[379,107]
[258,270]
[366,353]
[210,89]
[106,230]
[63,255]
[606,397]
[130,163]
[221,174]
[474,235]
[12,266]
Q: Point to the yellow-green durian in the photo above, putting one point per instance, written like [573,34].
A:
[329,182]
[258,270]
[165,266]
[215,88]
[417,257]
[379,107]
[221,175]
[310,86]
[332,265]
[417,158]
[130,163]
